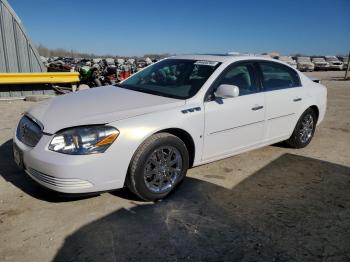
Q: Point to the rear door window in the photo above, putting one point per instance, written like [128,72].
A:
[276,76]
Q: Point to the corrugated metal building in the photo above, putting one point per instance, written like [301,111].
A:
[17,52]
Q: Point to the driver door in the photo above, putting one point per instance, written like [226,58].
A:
[237,123]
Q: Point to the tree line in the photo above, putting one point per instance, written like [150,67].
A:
[61,52]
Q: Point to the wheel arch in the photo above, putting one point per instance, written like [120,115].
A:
[186,138]
[316,110]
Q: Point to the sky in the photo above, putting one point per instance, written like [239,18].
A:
[137,27]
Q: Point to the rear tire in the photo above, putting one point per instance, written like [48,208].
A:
[304,130]
[158,166]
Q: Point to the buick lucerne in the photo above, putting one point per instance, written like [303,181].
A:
[180,112]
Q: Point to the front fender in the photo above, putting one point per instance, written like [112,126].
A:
[134,131]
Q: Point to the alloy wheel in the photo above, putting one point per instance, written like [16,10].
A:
[162,169]
[306,128]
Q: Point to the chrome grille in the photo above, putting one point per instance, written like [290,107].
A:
[28,132]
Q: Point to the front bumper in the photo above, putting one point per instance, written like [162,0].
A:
[336,67]
[321,67]
[58,184]
[305,67]
[72,173]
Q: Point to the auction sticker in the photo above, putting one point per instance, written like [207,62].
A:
[206,63]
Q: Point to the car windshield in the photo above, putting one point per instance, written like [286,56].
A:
[286,58]
[304,59]
[175,78]
[332,58]
[319,59]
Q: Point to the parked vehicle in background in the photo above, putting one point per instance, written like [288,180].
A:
[59,66]
[263,55]
[96,60]
[125,72]
[90,76]
[120,61]
[304,64]
[334,63]
[345,60]
[109,61]
[178,113]
[109,75]
[148,61]
[96,71]
[45,60]
[289,60]
[320,63]
[141,63]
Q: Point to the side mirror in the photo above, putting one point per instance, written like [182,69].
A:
[226,91]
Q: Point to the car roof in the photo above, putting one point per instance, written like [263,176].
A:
[221,57]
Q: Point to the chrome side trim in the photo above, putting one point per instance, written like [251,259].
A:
[272,118]
[236,127]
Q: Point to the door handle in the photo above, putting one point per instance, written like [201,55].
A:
[257,108]
[297,99]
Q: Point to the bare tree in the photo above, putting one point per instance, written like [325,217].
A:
[61,52]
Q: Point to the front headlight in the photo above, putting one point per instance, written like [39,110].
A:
[84,140]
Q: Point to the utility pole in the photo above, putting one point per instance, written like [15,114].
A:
[348,69]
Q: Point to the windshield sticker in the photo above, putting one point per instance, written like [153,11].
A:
[206,63]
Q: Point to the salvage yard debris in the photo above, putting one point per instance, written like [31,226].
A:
[97,71]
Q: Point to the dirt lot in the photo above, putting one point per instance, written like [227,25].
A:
[274,204]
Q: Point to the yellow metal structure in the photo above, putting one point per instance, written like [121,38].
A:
[39,78]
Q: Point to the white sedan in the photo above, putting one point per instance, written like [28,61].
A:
[181,112]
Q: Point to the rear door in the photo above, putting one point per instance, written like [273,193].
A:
[283,96]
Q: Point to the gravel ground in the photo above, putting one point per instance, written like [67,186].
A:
[274,204]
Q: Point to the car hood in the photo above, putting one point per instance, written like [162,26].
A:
[97,106]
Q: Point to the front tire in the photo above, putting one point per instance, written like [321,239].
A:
[158,166]
[304,130]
